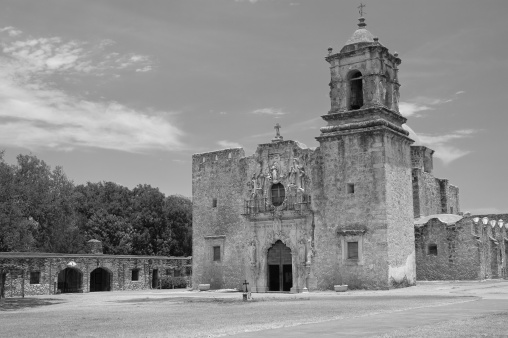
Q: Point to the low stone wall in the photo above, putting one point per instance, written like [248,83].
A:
[42,274]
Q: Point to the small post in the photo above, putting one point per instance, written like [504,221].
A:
[23,283]
[246,284]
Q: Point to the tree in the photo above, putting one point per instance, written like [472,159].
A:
[148,221]
[178,214]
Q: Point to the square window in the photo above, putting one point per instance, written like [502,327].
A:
[177,273]
[169,272]
[216,253]
[433,249]
[135,275]
[214,203]
[352,250]
[350,188]
[35,277]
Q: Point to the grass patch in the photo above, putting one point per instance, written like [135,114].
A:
[13,304]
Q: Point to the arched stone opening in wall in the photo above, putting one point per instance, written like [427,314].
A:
[70,280]
[280,267]
[100,280]
[355,89]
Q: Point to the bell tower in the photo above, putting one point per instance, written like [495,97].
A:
[366,169]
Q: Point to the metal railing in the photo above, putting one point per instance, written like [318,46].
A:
[265,205]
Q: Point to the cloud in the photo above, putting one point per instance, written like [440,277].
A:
[269,111]
[229,144]
[49,56]
[35,114]
[11,31]
[311,124]
[422,103]
[410,109]
[442,147]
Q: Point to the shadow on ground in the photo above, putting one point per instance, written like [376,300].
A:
[13,304]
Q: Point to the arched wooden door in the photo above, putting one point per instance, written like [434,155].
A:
[280,268]
[70,280]
[100,280]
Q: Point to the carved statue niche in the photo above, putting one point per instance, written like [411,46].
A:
[274,172]
[301,177]
[301,251]
[310,251]
[293,174]
[252,253]
[253,186]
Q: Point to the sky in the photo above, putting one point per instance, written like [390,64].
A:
[127,90]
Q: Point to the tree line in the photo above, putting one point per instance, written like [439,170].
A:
[42,210]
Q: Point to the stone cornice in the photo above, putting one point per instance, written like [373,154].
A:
[362,125]
[365,113]
[350,232]
[338,134]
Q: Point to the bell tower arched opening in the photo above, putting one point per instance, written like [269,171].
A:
[355,90]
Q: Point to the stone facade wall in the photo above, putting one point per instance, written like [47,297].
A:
[119,267]
[357,159]
[399,206]
[219,176]
[465,250]
[458,256]
[432,195]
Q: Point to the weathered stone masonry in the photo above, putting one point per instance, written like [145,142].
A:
[463,248]
[49,273]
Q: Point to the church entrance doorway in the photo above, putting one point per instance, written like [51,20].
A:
[100,280]
[280,268]
[70,280]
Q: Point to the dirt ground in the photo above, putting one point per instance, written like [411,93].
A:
[417,312]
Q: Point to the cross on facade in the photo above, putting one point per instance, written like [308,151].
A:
[246,284]
[277,127]
[361,9]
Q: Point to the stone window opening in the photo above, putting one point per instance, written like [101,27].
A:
[432,250]
[135,275]
[204,159]
[214,203]
[278,194]
[451,210]
[216,158]
[35,277]
[216,253]
[177,273]
[352,251]
[229,155]
[169,272]
[355,90]
[350,188]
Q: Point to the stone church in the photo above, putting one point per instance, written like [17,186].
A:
[291,218]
